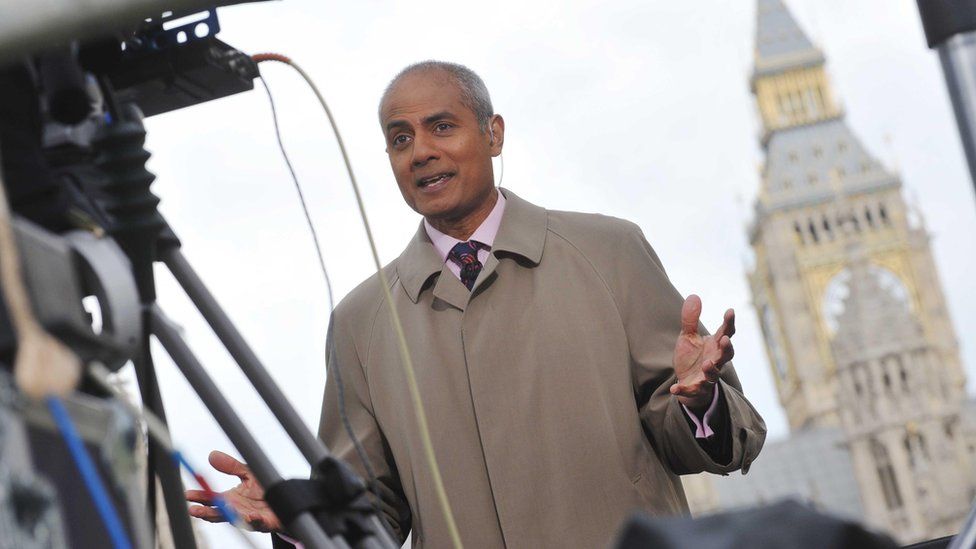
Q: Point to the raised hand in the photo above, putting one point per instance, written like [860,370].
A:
[247,498]
[698,360]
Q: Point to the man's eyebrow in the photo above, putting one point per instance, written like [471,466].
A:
[442,115]
[438,116]
[395,124]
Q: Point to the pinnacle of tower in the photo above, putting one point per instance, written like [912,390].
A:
[780,43]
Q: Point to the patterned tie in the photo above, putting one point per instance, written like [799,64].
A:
[465,254]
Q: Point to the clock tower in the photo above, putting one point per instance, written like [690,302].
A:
[855,325]
[821,195]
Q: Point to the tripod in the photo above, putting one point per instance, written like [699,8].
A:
[339,518]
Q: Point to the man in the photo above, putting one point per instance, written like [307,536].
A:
[565,380]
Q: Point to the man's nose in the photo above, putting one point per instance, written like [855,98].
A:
[423,151]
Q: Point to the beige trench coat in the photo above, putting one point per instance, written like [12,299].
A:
[546,388]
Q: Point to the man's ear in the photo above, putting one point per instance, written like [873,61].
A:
[496,134]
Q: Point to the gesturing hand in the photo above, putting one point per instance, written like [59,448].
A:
[698,360]
[247,498]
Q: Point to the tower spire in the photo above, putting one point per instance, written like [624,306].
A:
[788,75]
[780,42]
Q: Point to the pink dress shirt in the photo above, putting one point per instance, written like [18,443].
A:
[485,233]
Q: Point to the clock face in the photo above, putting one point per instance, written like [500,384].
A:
[838,289]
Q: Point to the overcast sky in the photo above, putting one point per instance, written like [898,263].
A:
[635,109]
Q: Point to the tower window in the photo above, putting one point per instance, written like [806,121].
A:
[793,157]
[817,152]
[917,450]
[868,216]
[787,183]
[799,231]
[813,107]
[813,232]
[842,146]
[796,103]
[812,178]
[784,108]
[883,213]
[886,474]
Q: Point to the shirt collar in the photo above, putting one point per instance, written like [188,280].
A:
[521,230]
[485,233]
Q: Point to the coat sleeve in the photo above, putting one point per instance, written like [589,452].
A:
[346,388]
[650,307]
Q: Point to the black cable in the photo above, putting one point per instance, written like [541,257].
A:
[330,365]
[301,195]
[360,451]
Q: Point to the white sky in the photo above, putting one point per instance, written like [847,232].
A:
[635,109]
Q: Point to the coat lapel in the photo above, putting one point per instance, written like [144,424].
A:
[522,232]
[418,262]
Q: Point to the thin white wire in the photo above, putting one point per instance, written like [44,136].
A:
[407,362]
[501,169]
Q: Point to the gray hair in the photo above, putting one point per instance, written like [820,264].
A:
[474,93]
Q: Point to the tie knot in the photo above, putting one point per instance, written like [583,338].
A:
[465,253]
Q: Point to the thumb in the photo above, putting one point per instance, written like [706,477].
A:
[228,464]
[690,313]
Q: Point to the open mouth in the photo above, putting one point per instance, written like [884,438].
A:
[434,180]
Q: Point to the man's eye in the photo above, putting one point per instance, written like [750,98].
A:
[442,127]
[400,139]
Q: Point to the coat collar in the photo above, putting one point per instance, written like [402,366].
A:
[522,232]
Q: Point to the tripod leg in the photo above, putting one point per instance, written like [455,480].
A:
[311,447]
[305,527]
[160,463]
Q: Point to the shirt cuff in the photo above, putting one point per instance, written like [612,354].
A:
[702,427]
[295,542]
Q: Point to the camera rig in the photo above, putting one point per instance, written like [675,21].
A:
[87,227]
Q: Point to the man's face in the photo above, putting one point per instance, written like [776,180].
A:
[440,157]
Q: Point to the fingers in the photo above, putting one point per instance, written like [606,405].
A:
[259,523]
[726,350]
[690,313]
[728,324]
[684,390]
[721,354]
[209,514]
[228,464]
[711,372]
[694,390]
[199,496]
